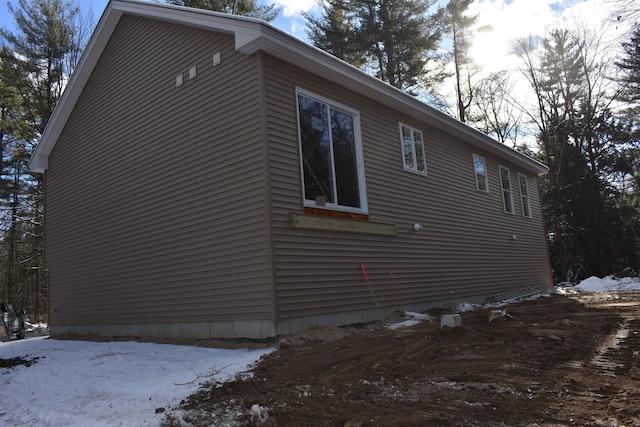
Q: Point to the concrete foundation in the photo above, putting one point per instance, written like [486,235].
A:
[238,329]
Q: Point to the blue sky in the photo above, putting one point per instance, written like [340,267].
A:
[508,18]
[290,19]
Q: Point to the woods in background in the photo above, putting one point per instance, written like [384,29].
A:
[35,63]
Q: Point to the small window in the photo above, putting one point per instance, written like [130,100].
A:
[480,168]
[505,181]
[413,156]
[524,195]
[331,154]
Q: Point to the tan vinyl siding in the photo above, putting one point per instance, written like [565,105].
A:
[465,249]
[156,209]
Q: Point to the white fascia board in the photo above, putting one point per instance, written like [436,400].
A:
[196,18]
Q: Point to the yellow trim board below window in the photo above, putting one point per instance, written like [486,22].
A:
[312,222]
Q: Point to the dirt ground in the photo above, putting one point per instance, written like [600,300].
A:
[563,360]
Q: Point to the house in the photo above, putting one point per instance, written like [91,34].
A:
[207,175]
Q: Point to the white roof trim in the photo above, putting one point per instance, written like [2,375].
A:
[252,35]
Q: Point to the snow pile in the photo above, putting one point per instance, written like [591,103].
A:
[80,383]
[608,284]
[465,306]
[412,319]
[37,328]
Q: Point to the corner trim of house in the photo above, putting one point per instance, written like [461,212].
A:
[313,222]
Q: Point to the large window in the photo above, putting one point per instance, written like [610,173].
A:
[412,150]
[505,181]
[480,168]
[331,154]
[524,195]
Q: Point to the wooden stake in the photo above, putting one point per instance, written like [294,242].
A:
[364,271]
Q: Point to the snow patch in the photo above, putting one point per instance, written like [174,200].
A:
[413,318]
[81,383]
[465,306]
[608,284]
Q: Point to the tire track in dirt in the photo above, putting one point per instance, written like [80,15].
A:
[607,383]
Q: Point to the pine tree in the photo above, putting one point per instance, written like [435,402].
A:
[459,26]
[237,7]
[43,53]
[574,131]
[629,64]
[13,129]
[395,40]
[624,165]
[335,31]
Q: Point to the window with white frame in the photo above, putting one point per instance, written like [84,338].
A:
[524,195]
[413,156]
[505,182]
[480,169]
[330,154]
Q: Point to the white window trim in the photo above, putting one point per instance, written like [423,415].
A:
[522,198]
[413,146]
[486,173]
[364,208]
[502,190]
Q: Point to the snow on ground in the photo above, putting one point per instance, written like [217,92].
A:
[608,284]
[411,319]
[81,383]
[91,384]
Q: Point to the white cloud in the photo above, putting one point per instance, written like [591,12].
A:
[291,19]
[512,19]
[295,7]
[504,22]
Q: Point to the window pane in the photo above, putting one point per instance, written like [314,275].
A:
[345,160]
[408,148]
[506,182]
[508,204]
[316,150]
[523,186]
[479,165]
[481,182]
[481,173]
[524,194]
[417,138]
[506,189]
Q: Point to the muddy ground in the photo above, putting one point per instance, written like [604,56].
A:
[555,361]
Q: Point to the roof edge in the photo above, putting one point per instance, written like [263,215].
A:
[252,35]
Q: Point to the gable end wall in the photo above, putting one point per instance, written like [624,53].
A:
[156,221]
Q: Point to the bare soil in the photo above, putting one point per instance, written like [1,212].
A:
[554,361]
[17,361]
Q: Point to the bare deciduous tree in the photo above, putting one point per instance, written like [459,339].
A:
[495,111]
